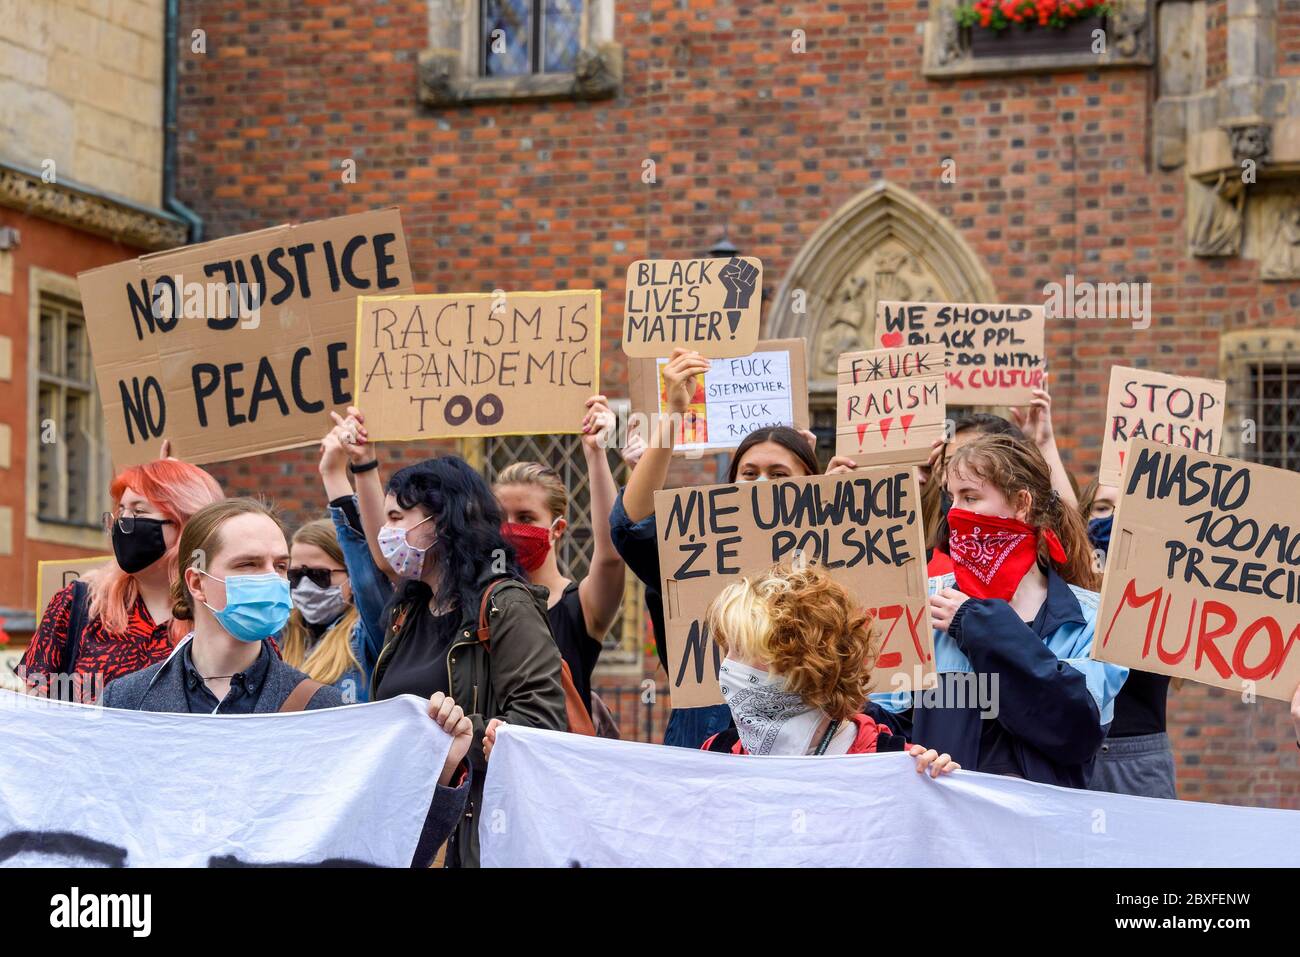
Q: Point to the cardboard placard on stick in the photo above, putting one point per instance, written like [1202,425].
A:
[469,364]
[889,405]
[995,352]
[1175,410]
[51,576]
[766,388]
[1203,572]
[709,305]
[239,345]
[863,526]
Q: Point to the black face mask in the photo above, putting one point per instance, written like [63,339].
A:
[140,549]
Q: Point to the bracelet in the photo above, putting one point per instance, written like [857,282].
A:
[358,469]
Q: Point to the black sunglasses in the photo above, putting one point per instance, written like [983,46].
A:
[320,577]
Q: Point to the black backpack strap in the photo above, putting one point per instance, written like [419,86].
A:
[76,624]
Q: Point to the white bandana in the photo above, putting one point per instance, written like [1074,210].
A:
[770,719]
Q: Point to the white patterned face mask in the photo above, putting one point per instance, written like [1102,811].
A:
[770,719]
[404,558]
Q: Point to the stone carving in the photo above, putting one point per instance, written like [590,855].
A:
[887,272]
[1214,216]
[1281,259]
[1250,142]
[437,77]
[594,75]
[94,214]
[948,42]
[1126,26]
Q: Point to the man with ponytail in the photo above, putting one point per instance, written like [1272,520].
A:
[1016,618]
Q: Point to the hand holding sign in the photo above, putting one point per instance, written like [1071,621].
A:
[1035,420]
[597,423]
[680,379]
[352,436]
[943,607]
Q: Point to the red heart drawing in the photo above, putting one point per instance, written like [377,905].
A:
[862,428]
[891,340]
[884,428]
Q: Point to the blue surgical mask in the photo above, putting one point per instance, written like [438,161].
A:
[1099,532]
[257,606]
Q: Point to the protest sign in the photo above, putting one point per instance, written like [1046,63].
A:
[454,366]
[54,576]
[575,801]
[736,397]
[889,405]
[239,345]
[1203,572]
[862,526]
[1173,410]
[708,305]
[995,352]
[251,790]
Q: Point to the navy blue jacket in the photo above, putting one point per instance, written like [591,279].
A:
[1038,680]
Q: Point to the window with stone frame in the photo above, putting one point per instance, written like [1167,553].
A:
[72,462]
[624,644]
[1263,419]
[484,51]
[517,37]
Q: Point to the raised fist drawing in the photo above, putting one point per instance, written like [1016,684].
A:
[738,277]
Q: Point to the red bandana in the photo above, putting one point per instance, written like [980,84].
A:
[991,555]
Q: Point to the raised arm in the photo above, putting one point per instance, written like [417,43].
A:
[601,592]
[652,471]
[1036,422]
[370,490]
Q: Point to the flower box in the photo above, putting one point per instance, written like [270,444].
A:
[1018,40]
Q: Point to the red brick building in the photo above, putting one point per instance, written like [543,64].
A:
[864,150]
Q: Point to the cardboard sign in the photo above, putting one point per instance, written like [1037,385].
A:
[995,353]
[1203,572]
[1174,410]
[736,397]
[519,363]
[889,405]
[239,345]
[709,305]
[54,576]
[863,526]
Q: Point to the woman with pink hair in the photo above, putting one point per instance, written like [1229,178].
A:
[118,618]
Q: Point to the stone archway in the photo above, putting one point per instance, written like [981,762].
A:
[885,243]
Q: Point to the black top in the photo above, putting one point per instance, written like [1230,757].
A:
[418,666]
[1140,705]
[577,647]
[244,686]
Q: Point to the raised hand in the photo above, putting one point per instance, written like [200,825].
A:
[739,278]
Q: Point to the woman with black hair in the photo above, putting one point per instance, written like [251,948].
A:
[763,455]
[437,527]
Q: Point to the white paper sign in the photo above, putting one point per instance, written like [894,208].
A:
[740,396]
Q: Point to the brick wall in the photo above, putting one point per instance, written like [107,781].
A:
[1053,177]
[81,84]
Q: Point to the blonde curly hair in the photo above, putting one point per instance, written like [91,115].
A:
[804,626]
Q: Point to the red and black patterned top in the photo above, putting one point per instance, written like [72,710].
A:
[102,656]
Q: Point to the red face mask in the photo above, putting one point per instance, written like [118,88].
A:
[530,542]
[991,555]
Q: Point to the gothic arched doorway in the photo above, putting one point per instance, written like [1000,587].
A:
[885,243]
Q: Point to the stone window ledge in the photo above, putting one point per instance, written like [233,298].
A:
[948,52]
[445,81]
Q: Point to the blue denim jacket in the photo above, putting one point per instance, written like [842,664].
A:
[370,591]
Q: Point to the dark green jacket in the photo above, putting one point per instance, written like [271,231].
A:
[518,680]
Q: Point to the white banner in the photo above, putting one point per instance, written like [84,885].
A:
[555,800]
[85,785]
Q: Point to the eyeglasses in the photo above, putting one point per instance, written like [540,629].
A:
[320,577]
[126,522]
